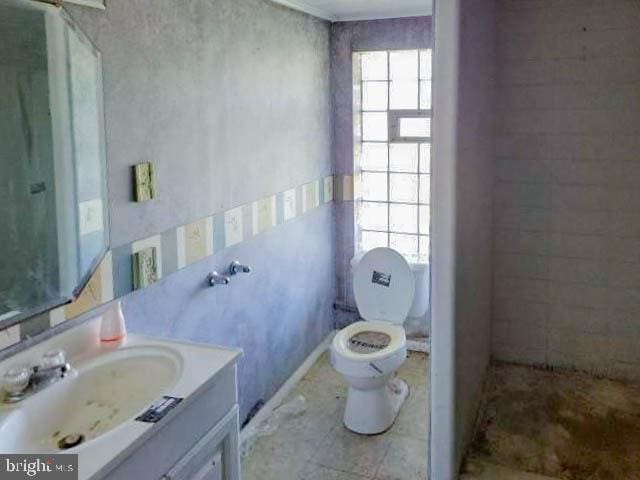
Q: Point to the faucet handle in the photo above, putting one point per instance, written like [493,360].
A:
[53,358]
[16,380]
[236,267]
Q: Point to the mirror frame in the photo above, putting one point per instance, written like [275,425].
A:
[64,155]
[84,278]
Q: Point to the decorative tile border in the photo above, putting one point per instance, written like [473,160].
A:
[289,204]
[9,336]
[344,187]
[233,230]
[327,185]
[184,245]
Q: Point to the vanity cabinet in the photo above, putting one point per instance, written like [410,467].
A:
[214,457]
[197,440]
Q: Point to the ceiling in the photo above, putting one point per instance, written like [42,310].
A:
[345,10]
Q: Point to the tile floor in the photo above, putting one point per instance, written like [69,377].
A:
[546,425]
[316,446]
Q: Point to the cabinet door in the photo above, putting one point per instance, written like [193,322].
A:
[212,470]
[215,457]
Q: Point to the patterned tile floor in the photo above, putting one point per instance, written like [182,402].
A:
[315,445]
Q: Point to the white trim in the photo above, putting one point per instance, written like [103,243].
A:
[422,12]
[303,7]
[88,3]
[286,388]
[418,345]
[443,401]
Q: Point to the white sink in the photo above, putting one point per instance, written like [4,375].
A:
[110,386]
[104,393]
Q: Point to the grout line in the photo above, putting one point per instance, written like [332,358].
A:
[377,470]
[506,30]
[507,109]
[513,60]
[278,398]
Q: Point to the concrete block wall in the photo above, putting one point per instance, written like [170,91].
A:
[566,197]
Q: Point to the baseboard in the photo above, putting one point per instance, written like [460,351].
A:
[286,388]
[421,345]
[482,399]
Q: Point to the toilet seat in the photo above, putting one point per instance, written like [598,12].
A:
[396,341]
[369,365]
[383,286]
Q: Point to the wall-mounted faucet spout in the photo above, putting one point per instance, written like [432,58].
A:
[215,278]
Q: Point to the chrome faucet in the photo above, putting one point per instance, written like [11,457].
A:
[22,382]
[215,278]
[236,267]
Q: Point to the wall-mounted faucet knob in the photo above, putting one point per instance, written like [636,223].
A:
[215,278]
[236,267]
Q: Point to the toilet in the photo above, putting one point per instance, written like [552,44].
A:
[368,353]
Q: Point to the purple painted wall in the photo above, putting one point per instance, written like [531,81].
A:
[181,82]
[278,314]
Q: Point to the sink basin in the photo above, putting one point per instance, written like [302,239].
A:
[109,387]
[103,394]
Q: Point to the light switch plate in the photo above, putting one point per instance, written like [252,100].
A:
[145,268]
[144,182]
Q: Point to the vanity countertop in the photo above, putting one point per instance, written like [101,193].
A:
[191,369]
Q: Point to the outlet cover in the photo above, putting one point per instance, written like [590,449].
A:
[144,182]
[145,268]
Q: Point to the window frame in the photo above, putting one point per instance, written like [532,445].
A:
[393,116]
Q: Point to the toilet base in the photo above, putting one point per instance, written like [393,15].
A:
[373,405]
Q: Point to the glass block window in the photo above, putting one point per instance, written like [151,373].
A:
[392,150]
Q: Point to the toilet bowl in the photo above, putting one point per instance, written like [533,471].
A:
[368,353]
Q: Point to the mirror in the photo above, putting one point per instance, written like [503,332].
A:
[53,197]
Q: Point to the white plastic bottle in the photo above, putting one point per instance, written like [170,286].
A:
[113,327]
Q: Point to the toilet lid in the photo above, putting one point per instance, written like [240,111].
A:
[383,286]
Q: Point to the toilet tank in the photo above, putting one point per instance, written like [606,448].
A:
[420,303]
